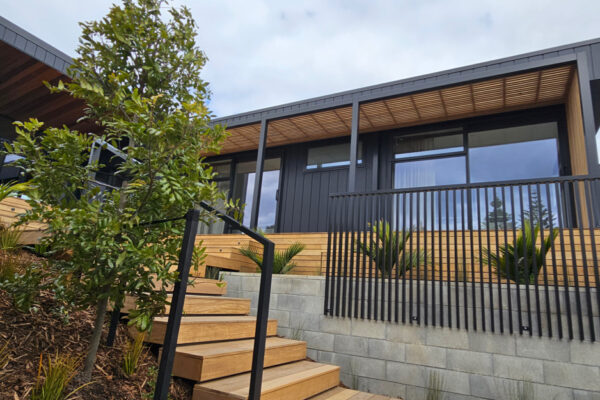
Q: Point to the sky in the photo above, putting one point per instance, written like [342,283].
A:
[268,52]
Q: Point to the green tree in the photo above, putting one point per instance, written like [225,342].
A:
[537,213]
[497,217]
[138,72]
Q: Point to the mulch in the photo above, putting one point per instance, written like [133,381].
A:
[46,332]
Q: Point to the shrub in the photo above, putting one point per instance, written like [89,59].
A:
[131,357]
[25,287]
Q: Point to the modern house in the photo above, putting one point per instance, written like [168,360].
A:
[413,198]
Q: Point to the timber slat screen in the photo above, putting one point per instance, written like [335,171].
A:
[506,257]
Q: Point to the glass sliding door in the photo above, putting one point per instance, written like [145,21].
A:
[243,189]
[222,170]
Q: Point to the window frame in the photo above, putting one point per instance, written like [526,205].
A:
[497,121]
[360,162]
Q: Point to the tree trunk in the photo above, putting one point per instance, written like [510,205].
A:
[90,359]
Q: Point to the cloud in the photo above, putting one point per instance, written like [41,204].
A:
[267,52]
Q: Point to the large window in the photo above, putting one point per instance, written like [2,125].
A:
[521,152]
[468,155]
[429,160]
[333,155]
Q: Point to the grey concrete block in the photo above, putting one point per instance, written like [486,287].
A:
[386,350]
[385,388]
[285,332]
[318,340]
[291,302]
[368,367]
[416,393]
[305,321]
[426,355]
[543,348]
[585,353]
[572,375]
[492,343]
[406,374]
[454,382]
[445,337]
[349,380]
[405,334]
[350,345]
[585,395]
[340,326]
[281,285]
[371,329]
[282,317]
[483,386]
[518,368]
[306,287]
[469,361]
[312,354]
[251,283]
[544,392]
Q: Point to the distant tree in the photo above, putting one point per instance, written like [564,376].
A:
[497,217]
[536,213]
[138,73]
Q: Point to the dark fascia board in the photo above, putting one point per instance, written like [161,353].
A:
[33,46]
[537,59]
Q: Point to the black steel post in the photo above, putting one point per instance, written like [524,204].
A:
[163,380]
[262,318]
[353,146]
[115,315]
[260,164]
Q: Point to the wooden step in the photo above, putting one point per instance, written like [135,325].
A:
[203,305]
[207,329]
[198,285]
[340,393]
[296,381]
[203,362]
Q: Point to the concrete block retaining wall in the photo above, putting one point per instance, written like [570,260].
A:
[397,360]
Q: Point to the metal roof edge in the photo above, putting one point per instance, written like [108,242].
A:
[24,41]
[331,99]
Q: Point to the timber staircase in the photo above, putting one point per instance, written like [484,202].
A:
[215,345]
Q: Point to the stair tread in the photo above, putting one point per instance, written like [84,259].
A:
[209,319]
[206,361]
[274,379]
[340,393]
[203,286]
[208,328]
[217,349]
[196,304]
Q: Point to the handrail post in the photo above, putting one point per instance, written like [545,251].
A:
[262,318]
[115,316]
[163,380]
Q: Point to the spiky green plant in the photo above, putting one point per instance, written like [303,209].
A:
[387,249]
[523,261]
[10,238]
[54,377]
[132,355]
[282,259]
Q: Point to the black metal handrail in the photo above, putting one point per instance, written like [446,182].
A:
[438,264]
